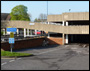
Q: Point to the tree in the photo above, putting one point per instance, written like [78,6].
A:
[20,13]
[29,15]
[37,20]
[42,17]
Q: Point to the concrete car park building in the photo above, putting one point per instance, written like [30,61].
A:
[72,27]
[76,26]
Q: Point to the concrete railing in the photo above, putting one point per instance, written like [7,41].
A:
[70,16]
[47,27]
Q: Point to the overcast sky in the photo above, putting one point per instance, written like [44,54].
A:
[35,8]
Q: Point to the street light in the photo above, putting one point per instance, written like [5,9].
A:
[47,8]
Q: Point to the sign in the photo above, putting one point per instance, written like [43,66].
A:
[11,35]
[31,23]
[11,29]
[11,40]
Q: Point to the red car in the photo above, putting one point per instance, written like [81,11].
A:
[39,32]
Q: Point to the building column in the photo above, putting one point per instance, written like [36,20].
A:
[30,32]
[48,22]
[24,32]
[3,31]
[17,31]
[66,38]
[66,23]
[63,23]
[48,34]
[35,32]
[27,32]
[63,38]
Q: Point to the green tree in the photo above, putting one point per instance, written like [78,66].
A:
[42,18]
[20,13]
[37,20]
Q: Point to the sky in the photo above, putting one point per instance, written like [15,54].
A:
[35,8]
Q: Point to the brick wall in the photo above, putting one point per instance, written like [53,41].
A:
[55,40]
[31,43]
[23,44]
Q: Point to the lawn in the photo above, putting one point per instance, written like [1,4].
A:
[8,53]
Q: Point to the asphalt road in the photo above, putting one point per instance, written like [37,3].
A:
[66,57]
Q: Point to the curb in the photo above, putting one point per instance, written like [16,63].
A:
[2,57]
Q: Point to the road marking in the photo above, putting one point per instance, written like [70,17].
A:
[4,63]
[19,58]
[11,60]
[46,51]
[66,46]
[73,48]
[36,54]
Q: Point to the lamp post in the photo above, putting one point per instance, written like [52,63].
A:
[47,11]
[47,8]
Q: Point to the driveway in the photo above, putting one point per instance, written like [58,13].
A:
[66,57]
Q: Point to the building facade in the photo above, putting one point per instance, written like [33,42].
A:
[75,20]
[70,27]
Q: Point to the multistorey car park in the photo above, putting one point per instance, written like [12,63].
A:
[72,27]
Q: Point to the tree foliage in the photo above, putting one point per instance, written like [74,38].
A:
[37,20]
[20,13]
[42,18]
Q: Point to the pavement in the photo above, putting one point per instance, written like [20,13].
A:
[65,57]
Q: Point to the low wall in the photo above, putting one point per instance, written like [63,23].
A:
[23,44]
[55,40]
[29,43]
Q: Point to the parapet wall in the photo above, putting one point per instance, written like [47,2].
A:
[23,44]
[71,16]
[47,27]
[55,40]
[29,43]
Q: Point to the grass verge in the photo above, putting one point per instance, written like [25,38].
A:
[8,53]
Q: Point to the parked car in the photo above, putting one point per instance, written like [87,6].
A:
[39,32]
